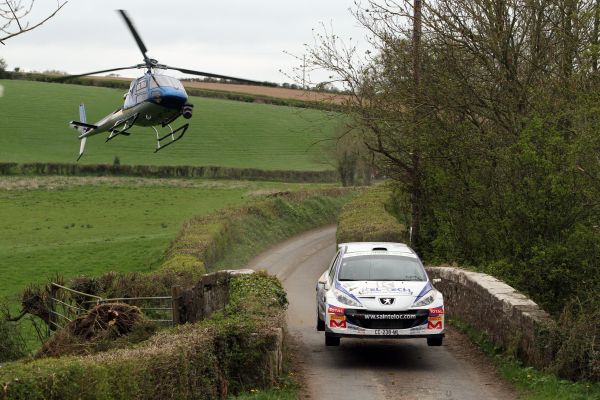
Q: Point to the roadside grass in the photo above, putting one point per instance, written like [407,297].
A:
[531,383]
[73,226]
[272,394]
[298,218]
[34,117]
[287,389]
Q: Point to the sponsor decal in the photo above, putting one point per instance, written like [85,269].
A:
[436,311]
[434,325]
[393,290]
[434,319]
[337,321]
[356,328]
[386,301]
[335,310]
[387,316]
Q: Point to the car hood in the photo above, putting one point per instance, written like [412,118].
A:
[384,288]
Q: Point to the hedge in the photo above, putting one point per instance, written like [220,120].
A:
[365,219]
[166,171]
[231,237]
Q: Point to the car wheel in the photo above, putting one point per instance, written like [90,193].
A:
[331,340]
[320,324]
[434,341]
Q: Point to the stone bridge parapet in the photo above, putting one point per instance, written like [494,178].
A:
[509,318]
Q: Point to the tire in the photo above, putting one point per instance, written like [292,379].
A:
[320,324]
[331,340]
[435,341]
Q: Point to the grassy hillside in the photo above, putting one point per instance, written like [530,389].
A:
[76,226]
[34,118]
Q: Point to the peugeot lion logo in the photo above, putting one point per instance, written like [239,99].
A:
[386,301]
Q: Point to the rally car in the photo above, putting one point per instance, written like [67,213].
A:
[378,290]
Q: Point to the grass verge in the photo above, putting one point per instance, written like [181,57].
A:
[533,384]
[365,219]
[231,237]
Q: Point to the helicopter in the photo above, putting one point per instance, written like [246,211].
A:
[152,100]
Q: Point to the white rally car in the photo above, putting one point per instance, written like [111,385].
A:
[378,290]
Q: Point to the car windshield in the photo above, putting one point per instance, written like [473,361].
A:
[381,268]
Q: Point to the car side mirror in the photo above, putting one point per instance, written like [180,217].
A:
[321,284]
[436,280]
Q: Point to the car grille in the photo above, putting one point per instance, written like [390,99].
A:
[387,319]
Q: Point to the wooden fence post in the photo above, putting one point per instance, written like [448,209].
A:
[176,304]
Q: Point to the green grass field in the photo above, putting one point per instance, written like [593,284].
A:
[72,226]
[34,127]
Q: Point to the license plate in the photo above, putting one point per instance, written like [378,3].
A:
[387,332]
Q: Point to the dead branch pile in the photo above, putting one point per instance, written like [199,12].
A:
[118,319]
[96,331]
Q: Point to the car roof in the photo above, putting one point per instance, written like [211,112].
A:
[354,248]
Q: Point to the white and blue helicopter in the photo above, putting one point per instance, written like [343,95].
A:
[152,100]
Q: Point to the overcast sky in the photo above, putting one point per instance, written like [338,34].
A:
[231,37]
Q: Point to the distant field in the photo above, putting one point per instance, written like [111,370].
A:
[277,92]
[34,117]
[76,225]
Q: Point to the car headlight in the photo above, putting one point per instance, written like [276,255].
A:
[345,299]
[426,300]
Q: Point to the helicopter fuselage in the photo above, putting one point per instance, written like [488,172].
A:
[151,100]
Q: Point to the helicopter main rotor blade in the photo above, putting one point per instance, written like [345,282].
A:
[211,75]
[135,34]
[66,77]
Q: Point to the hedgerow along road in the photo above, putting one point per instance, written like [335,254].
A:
[370,369]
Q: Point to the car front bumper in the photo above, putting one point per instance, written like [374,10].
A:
[417,323]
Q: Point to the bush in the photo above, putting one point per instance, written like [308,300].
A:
[579,353]
[365,218]
[12,345]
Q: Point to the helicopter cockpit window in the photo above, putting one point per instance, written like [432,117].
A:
[141,85]
[167,81]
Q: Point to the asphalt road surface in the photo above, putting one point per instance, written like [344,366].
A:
[370,369]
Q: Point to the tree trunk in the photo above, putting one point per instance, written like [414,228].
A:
[415,174]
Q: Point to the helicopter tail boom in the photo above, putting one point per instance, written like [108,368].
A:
[82,127]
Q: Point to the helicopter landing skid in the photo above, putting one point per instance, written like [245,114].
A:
[172,134]
[126,124]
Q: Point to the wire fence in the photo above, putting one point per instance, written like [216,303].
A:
[67,304]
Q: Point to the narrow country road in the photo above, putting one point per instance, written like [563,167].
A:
[370,369]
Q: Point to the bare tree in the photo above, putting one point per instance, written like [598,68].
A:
[15,14]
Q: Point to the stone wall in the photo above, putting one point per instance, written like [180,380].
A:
[200,301]
[211,294]
[509,318]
